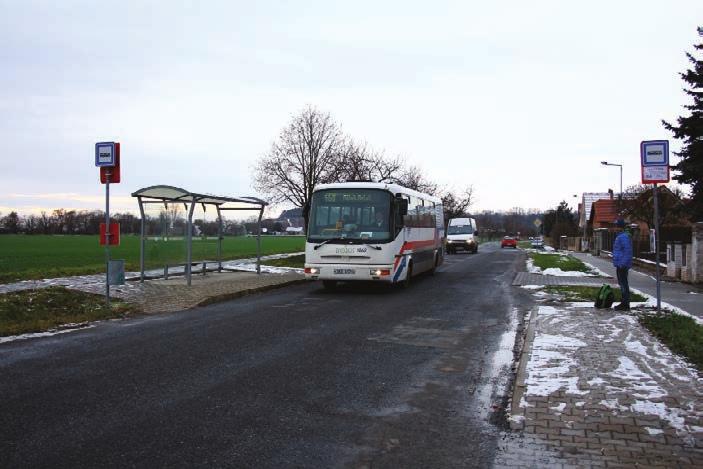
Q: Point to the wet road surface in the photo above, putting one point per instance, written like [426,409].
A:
[295,377]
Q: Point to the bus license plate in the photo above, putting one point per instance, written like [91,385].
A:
[344,271]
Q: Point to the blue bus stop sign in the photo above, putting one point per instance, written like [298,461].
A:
[654,156]
[655,153]
[105,154]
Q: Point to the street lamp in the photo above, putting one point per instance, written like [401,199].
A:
[605,163]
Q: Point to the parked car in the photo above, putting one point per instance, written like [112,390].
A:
[508,242]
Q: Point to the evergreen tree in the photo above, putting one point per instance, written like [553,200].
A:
[690,131]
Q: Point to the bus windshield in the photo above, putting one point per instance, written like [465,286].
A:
[459,229]
[350,214]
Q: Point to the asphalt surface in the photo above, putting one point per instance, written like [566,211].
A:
[297,377]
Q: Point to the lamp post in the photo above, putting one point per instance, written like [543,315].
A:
[605,163]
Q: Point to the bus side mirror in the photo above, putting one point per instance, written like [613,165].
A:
[476,233]
[402,206]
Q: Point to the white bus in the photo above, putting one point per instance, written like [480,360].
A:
[372,231]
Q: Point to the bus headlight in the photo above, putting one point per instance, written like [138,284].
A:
[312,270]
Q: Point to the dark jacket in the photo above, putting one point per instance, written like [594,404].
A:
[622,250]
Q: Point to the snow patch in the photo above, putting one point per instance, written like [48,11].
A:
[637,347]
[596,382]
[557,272]
[547,311]
[660,410]
[560,407]
[33,335]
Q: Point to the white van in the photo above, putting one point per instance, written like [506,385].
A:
[461,234]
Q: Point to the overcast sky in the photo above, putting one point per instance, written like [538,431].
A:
[521,99]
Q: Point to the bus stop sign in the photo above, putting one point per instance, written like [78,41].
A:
[654,156]
[105,154]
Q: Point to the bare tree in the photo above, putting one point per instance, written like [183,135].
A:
[638,204]
[307,153]
[12,223]
[360,162]
[44,223]
[413,177]
[457,204]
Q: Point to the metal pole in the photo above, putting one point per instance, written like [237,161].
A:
[258,243]
[107,238]
[189,238]
[141,241]
[656,246]
[219,240]
[620,198]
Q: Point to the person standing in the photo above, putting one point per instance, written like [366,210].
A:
[622,260]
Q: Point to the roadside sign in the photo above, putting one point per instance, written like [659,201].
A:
[537,222]
[105,154]
[654,157]
[655,174]
[114,234]
[114,171]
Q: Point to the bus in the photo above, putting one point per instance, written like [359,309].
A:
[372,231]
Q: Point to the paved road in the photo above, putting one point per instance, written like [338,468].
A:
[295,377]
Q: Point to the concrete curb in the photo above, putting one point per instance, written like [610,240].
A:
[250,291]
[519,388]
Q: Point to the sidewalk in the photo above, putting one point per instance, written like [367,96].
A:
[596,389]
[681,295]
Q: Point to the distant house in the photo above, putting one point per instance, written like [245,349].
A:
[604,213]
[586,205]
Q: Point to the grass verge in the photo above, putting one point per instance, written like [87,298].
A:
[560,261]
[680,333]
[292,261]
[584,293]
[46,308]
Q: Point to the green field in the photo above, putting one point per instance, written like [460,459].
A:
[24,257]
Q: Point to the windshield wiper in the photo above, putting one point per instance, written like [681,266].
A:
[378,248]
[329,240]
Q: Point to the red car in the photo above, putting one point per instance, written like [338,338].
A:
[508,242]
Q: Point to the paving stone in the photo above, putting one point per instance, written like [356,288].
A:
[640,403]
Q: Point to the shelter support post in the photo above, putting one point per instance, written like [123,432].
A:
[189,242]
[258,243]
[141,240]
[219,239]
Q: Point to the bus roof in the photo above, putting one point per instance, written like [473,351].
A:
[392,188]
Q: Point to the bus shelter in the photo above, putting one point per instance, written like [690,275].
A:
[165,195]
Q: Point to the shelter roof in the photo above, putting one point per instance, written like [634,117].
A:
[176,194]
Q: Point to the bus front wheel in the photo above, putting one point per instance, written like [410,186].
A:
[434,264]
